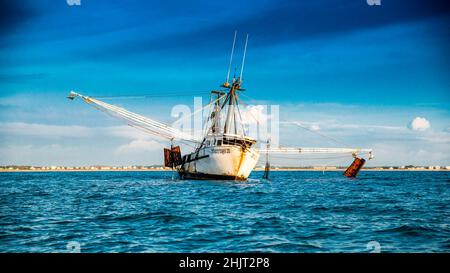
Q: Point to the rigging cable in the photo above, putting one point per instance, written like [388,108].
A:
[308,129]
[315,132]
[154,95]
[199,110]
[146,124]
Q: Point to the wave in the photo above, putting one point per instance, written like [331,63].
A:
[410,230]
[156,216]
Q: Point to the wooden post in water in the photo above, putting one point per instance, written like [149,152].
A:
[267,167]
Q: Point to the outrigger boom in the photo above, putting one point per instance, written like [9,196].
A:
[313,150]
[148,125]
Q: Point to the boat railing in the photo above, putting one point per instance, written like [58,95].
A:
[229,139]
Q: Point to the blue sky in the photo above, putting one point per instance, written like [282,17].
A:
[360,73]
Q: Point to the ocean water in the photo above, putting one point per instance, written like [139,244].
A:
[291,212]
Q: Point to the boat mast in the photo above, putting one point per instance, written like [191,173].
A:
[227,84]
[230,122]
[243,58]
[231,110]
[215,114]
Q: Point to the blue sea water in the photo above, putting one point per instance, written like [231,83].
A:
[291,212]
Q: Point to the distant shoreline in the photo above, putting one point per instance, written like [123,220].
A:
[257,170]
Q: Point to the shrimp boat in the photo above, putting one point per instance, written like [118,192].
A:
[224,151]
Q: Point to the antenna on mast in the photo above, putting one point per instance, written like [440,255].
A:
[227,84]
[243,58]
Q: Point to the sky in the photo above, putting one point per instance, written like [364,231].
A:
[367,76]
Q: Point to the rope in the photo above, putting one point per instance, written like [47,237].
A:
[249,112]
[153,95]
[150,126]
[315,132]
[201,109]
[306,128]
[240,116]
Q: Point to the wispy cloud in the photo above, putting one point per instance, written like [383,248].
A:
[317,125]
[365,126]
[44,130]
[435,137]
[69,131]
[43,144]
[140,146]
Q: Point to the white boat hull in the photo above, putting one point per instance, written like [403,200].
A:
[220,162]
